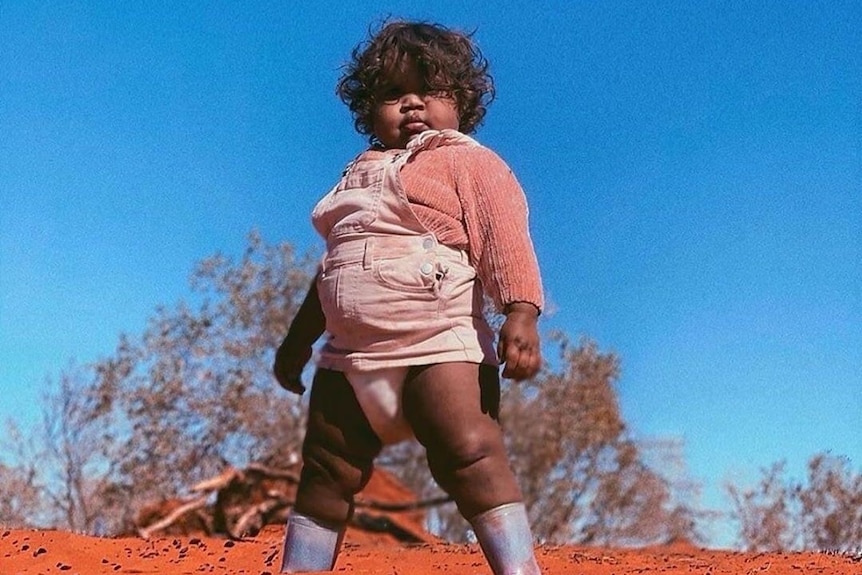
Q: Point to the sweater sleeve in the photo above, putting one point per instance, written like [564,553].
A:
[496,219]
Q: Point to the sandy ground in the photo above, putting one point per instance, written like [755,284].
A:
[383,552]
[23,551]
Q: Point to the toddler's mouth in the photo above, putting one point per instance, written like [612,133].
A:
[413,124]
[415,127]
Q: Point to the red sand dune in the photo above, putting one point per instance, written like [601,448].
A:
[366,553]
[51,552]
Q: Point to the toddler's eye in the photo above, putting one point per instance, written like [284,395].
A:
[389,95]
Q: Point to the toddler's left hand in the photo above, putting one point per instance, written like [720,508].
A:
[289,363]
[519,346]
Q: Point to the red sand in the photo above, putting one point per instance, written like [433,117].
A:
[23,551]
[364,553]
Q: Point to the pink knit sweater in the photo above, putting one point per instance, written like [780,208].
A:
[469,198]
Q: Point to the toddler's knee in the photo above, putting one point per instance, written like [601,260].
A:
[339,473]
[470,454]
[328,483]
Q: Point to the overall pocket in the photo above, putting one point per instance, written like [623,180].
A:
[420,275]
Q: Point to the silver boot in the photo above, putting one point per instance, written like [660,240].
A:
[504,535]
[309,545]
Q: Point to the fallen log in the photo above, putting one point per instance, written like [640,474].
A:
[248,499]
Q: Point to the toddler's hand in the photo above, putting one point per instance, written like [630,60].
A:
[289,363]
[519,345]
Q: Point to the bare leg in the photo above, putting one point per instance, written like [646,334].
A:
[338,456]
[338,452]
[453,409]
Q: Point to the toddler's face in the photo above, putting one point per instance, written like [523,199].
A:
[407,108]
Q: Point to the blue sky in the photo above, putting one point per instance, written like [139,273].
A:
[694,172]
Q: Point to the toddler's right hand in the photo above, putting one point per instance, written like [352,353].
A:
[288,366]
[518,346]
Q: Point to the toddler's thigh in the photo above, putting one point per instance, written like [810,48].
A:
[336,423]
[453,406]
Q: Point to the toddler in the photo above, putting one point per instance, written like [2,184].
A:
[419,228]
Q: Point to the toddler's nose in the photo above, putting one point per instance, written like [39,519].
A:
[411,101]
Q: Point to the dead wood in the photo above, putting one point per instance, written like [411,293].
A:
[245,500]
[171,518]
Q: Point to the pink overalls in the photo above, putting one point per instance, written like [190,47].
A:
[392,295]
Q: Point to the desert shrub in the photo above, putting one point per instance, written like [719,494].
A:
[763,512]
[822,512]
[830,505]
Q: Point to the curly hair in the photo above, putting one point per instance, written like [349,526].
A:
[448,61]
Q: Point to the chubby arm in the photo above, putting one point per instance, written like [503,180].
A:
[496,215]
[496,218]
[519,346]
[294,352]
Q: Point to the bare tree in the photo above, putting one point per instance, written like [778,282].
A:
[20,495]
[193,394]
[73,446]
[683,517]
